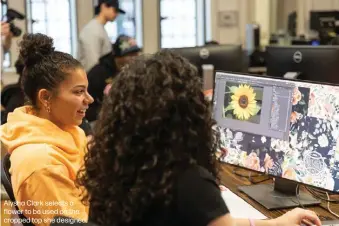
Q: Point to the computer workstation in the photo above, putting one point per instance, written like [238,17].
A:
[211,58]
[284,128]
[222,57]
[325,23]
[313,63]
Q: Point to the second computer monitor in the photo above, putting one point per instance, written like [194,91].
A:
[288,129]
[313,63]
[222,57]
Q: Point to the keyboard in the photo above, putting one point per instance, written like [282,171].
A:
[330,223]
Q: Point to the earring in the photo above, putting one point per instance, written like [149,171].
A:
[48,108]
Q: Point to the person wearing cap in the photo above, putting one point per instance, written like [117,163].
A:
[102,74]
[93,39]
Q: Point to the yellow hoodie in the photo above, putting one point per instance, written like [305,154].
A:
[44,164]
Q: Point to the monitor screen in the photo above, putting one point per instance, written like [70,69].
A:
[313,63]
[288,129]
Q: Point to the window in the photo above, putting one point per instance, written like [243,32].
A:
[182,23]
[208,21]
[6,61]
[55,19]
[129,24]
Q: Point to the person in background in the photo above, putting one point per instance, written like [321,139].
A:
[152,160]
[93,39]
[6,36]
[101,75]
[45,144]
[6,42]
[12,96]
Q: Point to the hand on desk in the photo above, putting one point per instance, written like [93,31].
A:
[298,217]
[294,217]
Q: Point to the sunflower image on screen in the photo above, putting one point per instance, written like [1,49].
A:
[243,102]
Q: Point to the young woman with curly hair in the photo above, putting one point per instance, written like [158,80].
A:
[152,159]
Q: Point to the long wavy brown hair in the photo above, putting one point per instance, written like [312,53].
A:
[154,124]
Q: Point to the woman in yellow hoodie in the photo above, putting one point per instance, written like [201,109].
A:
[45,144]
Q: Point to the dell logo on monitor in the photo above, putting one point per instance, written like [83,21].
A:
[204,53]
[297,57]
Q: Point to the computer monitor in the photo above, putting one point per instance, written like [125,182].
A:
[222,57]
[292,23]
[324,20]
[325,23]
[314,63]
[300,42]
[285,128]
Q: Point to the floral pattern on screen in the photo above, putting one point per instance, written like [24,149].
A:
[311,155]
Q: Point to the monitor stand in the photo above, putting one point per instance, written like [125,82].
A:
[281,195]
[292,75]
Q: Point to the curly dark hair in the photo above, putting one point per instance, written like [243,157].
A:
[44,68]
[154,124]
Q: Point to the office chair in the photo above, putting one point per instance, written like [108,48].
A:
[6,182]
[7,92]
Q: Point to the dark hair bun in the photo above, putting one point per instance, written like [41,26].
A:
[34,47]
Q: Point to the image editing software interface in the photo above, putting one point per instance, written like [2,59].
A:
[287,129]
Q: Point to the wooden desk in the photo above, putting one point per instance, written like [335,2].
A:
[232,181]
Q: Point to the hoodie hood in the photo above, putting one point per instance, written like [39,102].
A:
[23,128]
[44,163]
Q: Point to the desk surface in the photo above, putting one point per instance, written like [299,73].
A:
[232,181]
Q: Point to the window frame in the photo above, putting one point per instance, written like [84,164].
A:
[7,55]
[72,26]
